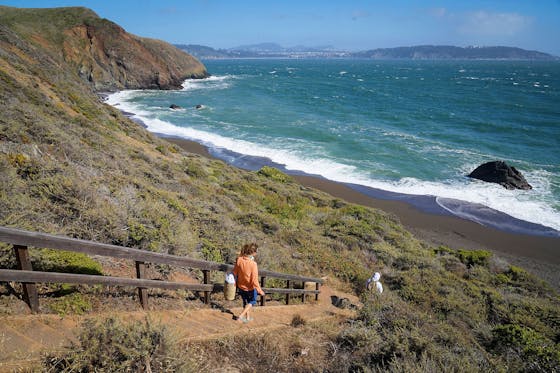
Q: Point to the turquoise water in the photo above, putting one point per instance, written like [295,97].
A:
[409,127]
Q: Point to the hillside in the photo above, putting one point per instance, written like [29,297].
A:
[74,166]
[101,52]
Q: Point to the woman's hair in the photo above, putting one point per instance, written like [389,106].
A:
[248,249]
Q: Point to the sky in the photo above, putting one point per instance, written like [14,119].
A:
[345,25]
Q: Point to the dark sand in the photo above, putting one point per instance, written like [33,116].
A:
[539,255]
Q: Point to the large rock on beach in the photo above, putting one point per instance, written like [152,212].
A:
[500,173]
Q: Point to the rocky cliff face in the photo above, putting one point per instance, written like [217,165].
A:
[101,52]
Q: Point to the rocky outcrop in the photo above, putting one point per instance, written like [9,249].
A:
[114,59]
[101,52]
[501,173]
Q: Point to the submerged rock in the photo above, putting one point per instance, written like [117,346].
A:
[500,173]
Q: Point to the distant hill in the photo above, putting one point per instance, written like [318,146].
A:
[432,52]
[422,52]
[262,47]
[262,50]
[202,51]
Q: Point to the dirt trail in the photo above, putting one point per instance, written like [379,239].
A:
[24,338]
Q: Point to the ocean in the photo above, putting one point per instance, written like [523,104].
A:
[404,130]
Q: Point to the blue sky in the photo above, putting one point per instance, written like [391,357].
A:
[350,24]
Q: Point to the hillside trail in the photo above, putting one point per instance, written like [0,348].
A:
[25,338]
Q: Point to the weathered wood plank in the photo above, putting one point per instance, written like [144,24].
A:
[70,278]
[29,289]
[142,292]
[288,291]
[44,240]
[218,288]
[206,274]
[286,276]
[263,297]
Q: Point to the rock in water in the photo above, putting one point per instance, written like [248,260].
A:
[175,107]
[499,172]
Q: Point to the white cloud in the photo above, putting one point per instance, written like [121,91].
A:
[360,14]
[484,23]
[438,12]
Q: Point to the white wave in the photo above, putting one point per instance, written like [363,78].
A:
[122,101]
[212,82]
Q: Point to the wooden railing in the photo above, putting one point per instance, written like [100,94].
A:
[22,240]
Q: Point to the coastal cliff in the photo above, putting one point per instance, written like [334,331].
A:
[100,51]
[72,165]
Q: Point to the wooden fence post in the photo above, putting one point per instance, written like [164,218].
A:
[263,297]
[29,289]
[318,288]
[288,294]
[142,292]
[303,295]
[206,281]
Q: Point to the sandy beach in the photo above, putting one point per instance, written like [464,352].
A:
[536,254]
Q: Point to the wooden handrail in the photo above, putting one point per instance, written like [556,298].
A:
[48,241]
[72,278]
[21,239]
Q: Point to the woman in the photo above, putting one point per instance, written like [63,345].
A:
[247,280]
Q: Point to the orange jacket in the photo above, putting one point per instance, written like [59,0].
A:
[247,274]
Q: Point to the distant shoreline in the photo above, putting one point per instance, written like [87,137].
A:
[537,254]
[418,52]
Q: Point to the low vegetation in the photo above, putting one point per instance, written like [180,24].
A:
[71,165]
[109,345]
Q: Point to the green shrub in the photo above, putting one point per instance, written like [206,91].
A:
[274,174]
[194,169]
[142,236]
[26,167]
[75,304]
[110,345]
[531,350]
[518,274]
[210,251]
[468,257]
[260,221]
[49,260]
[161,149]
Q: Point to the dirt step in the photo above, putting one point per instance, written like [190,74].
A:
[24,338]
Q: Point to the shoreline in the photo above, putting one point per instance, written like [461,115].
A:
[538,254]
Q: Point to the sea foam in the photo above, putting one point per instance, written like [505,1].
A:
[212,82]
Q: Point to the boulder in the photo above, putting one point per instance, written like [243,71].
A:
[175,107]
[500,173]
